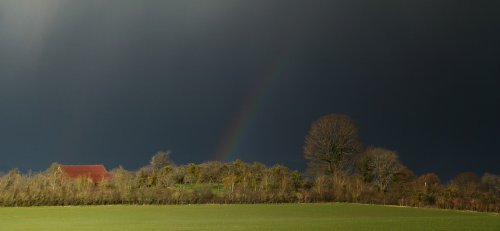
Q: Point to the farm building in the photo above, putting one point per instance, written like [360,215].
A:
[94,173]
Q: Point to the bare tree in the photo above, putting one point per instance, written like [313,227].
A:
[467,182]
[331,143]
[53,168]
[380,167]
[161,159]
[491,182]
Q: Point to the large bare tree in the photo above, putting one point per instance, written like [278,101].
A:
[331,143]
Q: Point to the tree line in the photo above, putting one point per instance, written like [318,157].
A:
[339,169]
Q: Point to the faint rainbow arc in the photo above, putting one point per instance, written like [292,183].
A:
[248,108]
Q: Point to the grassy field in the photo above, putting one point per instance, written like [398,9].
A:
[244,217]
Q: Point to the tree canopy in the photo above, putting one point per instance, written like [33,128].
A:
[331,143]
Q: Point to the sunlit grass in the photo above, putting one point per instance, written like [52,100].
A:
[244,217]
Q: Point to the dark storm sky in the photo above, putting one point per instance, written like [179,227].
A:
[114,81]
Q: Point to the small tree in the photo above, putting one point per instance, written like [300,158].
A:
[160,160]
[331,143]
[491,183]
[467,182]
[53,168]
[379,166]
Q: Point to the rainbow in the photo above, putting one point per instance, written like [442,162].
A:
[249,107]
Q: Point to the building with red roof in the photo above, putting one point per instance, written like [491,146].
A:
[94,173]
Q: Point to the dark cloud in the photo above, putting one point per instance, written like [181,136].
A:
[115,81]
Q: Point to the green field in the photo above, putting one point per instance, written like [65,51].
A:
[288,217]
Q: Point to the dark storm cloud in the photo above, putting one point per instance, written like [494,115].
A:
[114,81]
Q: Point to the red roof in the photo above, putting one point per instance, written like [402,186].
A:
[96,173]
